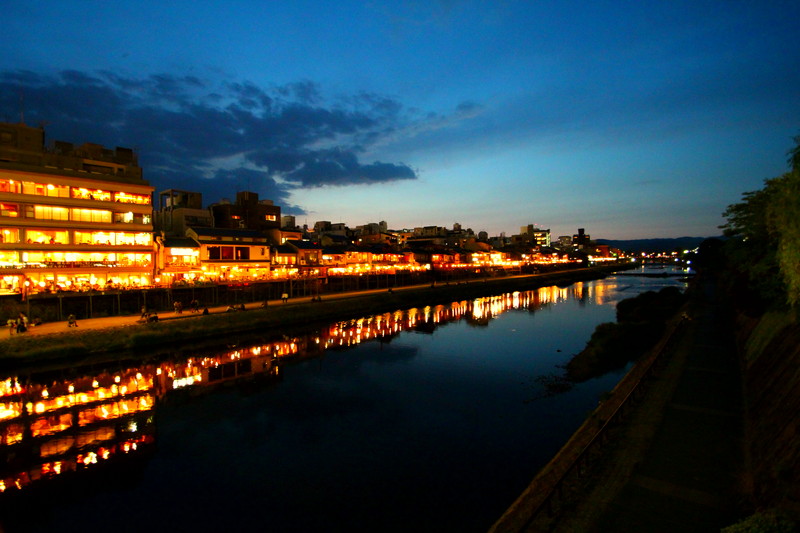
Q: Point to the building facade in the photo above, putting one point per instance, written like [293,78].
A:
[71,217]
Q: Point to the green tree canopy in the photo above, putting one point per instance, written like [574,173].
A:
[764,232]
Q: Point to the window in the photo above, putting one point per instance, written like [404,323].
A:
[83,237]
[42,189]
[91,215]
[242,253]
[9,235]
[270,218]
[47,236]
[8,257]
[128,198]
[48,212]
[91,194]
[9,210]
[125,218]
[10,186]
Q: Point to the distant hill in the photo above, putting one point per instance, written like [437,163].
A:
[654,245]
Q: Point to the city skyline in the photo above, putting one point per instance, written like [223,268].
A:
[634,121]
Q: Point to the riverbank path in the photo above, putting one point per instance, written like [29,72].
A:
[688,479]
[133,320]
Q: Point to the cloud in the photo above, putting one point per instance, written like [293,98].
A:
[279,138]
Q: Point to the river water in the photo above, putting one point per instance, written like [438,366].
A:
[431,419]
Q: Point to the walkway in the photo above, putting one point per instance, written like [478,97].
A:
[687,480]
[130,320]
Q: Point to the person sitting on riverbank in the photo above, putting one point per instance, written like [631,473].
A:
[72,321]
[153,317]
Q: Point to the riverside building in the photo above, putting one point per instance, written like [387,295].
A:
[71,217]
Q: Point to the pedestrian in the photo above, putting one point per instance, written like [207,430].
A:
[12,326]
[144,313]
[22,323]
[284,297]
[72,321]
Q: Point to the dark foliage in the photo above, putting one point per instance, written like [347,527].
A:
[640,323]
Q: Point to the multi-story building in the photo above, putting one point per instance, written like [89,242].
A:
[179,210]
[248,213]
[534,235]
[227,255]
[581,239]
[71,217]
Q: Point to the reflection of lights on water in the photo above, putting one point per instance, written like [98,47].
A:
[345,333]
[90,458]
[185,382]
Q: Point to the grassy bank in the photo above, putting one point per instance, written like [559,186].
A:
[147,340]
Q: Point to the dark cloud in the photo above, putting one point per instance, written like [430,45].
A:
[219,139]
[342,168]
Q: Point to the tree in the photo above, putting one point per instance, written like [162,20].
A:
[783,221]
[764,236]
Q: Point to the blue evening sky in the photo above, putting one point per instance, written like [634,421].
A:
[631,119]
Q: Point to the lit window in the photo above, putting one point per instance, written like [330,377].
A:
[9,210]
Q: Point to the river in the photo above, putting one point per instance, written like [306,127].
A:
[431,419]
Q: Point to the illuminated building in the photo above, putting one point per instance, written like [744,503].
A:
[71,217]
[231,254]
[581,239]
[225,242]
[534,235]
[309,257]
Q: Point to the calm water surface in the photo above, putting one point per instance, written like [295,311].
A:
[436,427]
